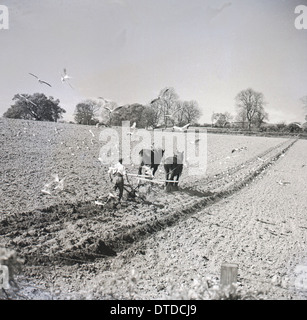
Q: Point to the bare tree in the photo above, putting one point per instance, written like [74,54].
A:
[241,118]
[249,102]
[260,116]
[151,116]
[169,110]
[167,103]
[191,112]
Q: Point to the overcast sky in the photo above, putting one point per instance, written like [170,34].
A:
[128,50]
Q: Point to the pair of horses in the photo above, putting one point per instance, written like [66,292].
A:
[173,166]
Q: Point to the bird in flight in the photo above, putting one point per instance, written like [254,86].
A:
[181,128]
[171,116]
[60,183]
[54,184]
[107,102]
[65,77]
[133,127]
[39,80]
[160,96]
[104,100]
[112,110]
[155,100]
[24,97]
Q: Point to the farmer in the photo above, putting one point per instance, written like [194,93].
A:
[118,172]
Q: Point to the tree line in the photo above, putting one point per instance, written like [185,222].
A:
[163,111]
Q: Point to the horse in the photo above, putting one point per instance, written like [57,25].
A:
[151,158]
[173,167]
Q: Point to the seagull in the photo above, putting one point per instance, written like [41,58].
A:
[104,100]
[297,124]
[112,110]
[59,184]
[282,183]
[263,160]
[239,149]
[110,196]
[195,142]
[65,77]
[92,133]
[165,91]
[22,96]
[155,100]
[160,96]
[133,127]
[181,128]
[39,80]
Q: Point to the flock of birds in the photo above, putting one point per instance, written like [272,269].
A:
[57,184]
[64,78]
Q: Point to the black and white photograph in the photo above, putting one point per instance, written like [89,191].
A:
[153,150]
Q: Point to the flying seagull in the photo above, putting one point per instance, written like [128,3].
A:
[181,128]
[65,77]
[133,127]
[39,80]
[160,96]
[48,187]
[173,114]
[24,97]
[104,100]
[155,100]
[112,110]
[60,184]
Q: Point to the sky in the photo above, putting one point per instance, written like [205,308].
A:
[127,51]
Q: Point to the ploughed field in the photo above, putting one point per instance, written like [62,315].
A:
[73,247]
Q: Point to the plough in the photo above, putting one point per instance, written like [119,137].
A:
[150,179]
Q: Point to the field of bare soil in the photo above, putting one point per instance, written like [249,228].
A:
[248,208]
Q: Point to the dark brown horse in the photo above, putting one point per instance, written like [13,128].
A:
[173,169]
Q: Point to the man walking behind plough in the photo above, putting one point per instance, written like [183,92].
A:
[117,173]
